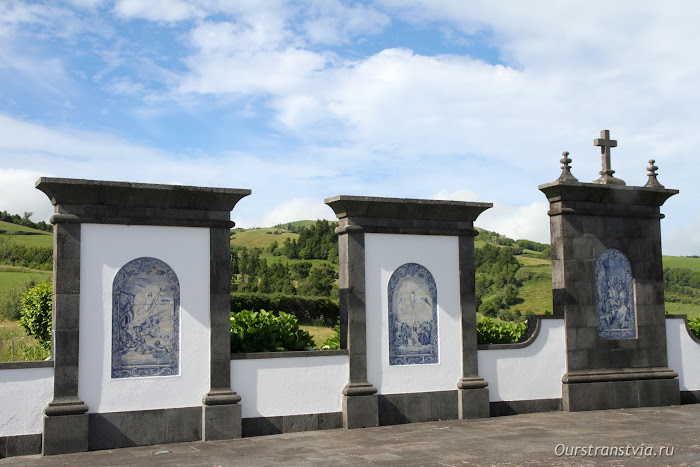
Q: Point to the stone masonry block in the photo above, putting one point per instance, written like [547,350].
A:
[473,403]
[625,394]
[65,434]
[295,423]
[444,405]
[418,407]
[391,409]
[669,392]
[221,422]
[360,411]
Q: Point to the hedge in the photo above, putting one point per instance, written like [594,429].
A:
[306,309]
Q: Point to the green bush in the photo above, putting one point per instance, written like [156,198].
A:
[333,342]
[492,332]
[694,325]
[262,331]
[307,309]
[36,313]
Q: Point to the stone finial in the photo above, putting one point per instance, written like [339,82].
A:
[605,143]
[566,175]
[652,182]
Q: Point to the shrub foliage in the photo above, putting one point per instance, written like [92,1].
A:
[489,331]
[262,331]
[306,309]
[694,325]
[36,313]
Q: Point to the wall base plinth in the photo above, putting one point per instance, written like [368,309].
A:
[221,422]
[621,394]
[473,403]
[360,411]
[64,434]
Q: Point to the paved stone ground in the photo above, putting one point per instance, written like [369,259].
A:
[529,439]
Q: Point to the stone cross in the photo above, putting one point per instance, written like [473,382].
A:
[605,144]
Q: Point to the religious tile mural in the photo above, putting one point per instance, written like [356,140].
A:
[413,325]
[145,320]
[615,296]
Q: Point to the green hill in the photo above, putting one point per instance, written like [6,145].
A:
[20,235]
[682,262]
[260,238]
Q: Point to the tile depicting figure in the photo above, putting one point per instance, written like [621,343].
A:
[615,296]
[145,320]
[413,324]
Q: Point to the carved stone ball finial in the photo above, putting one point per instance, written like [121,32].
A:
[652,182]
[566,175]
[606,143]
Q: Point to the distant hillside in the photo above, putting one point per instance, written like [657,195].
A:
[682,262]
[25,236]
[261,238]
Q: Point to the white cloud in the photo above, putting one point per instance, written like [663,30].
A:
[529,222]
[158,10]
[17,194]
[296,209]
[683,239]
[333,22]
[459,195]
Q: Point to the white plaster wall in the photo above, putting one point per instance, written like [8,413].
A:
[272,387]
[23,395]
[104,250]
[384,253]
[683,354]
[533,372]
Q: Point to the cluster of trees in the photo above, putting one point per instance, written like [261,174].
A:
[682,285]
[518,247]
[29,257]
[24,221]
[318,241]
[250,272]
[497,281]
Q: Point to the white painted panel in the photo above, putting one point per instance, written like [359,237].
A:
[683,354]
[23,395]
[104,250]
[384,253]
[533,372]
[272,387]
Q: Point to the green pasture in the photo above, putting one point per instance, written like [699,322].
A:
[693,311]
[682,262]
[12,276]
[20,235]
[260,238]
[319,333]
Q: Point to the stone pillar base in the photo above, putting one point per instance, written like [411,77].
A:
[473,403]
[64,434]
[221,422]
[601,395]
[360,411]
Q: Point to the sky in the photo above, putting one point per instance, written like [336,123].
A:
[303,100]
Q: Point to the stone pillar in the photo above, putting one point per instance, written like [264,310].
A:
[607,281]
[78,202]
[472,394]
[65,420]
[358,216]
[221,413]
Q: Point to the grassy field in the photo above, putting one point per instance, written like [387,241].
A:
[260,238]
[25,236]
[16,345]
[682,262]
[693,311]
[319,333]
[11,276]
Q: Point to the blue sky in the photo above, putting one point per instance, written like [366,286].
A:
[303,100]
